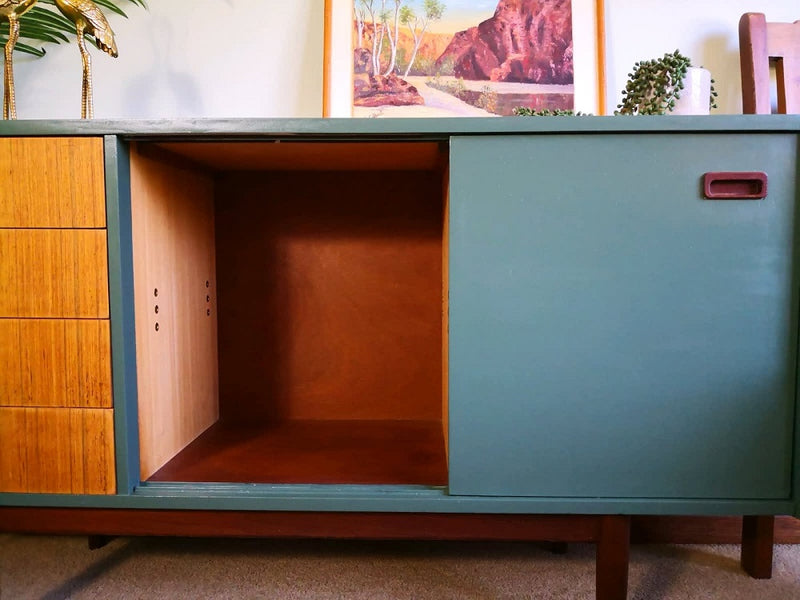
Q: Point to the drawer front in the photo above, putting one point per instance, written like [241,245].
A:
[57,451]
[53,273]
[52,182]
[612,332]
[55,363]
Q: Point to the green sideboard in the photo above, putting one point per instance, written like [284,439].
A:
[510,328]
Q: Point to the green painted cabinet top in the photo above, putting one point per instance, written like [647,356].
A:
[612,332]
[394,129]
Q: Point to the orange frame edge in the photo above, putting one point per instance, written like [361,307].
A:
[326,65]
[600,19]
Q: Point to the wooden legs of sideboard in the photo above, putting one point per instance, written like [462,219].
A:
[613,552]
[99,541]
[758,536]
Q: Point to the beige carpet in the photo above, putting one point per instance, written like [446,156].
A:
[52,568]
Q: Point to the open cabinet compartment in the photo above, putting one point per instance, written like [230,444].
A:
[291,311]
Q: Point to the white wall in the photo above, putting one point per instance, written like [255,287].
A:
[707,31]
[263,58]
[189,58]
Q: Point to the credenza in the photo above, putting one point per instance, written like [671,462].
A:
[511,328]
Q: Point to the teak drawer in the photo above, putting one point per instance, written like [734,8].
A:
[53,273]
[55,363]
[52,182]
[57,450]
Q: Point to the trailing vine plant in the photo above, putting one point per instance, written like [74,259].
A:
[655,85]
[524,111]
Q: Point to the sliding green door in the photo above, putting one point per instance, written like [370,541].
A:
[612,332]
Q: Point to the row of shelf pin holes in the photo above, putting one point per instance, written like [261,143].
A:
[208,303]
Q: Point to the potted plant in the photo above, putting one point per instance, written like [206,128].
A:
[668,85]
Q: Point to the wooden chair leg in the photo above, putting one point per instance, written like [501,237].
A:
[758,536]
[613,554]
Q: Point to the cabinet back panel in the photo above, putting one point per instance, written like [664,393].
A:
[330,295]
[176,345]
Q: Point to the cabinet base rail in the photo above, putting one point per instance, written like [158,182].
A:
[611,533]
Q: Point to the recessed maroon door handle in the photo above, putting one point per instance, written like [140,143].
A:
[733,185]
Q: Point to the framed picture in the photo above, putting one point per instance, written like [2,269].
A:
[449,58]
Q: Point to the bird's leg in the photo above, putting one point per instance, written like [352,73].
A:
[87,108]
[9,100]
[8,81]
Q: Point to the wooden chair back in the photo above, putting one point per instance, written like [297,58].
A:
[759,43]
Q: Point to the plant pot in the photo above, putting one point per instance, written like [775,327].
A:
[695,94]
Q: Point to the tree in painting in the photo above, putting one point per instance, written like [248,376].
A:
[378,22]
[418,24]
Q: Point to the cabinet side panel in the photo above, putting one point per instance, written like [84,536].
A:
[52,182]
[57,451]
[172,211]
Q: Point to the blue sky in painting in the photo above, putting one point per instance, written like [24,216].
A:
[460,14]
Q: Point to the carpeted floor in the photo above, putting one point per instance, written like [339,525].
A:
[53,568]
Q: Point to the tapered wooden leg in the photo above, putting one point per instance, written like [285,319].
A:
[556,547]
[613,552]
[98,541]
[758,536]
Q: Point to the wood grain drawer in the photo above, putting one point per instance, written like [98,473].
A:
[52,182]
[53,273]
[55,363]
[57,450]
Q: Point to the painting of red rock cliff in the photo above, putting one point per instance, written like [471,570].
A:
[461,57]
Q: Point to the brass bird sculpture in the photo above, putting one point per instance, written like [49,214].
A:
[11,11]
[88,19]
